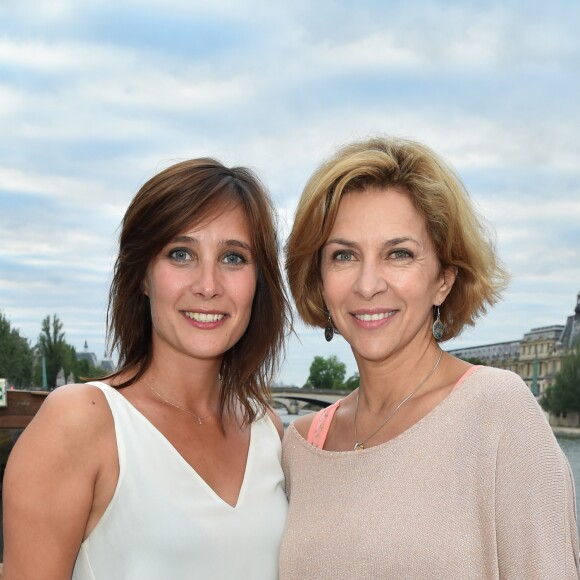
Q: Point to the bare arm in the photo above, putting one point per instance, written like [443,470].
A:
[50,481]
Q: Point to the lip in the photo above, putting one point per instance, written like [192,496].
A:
[370,318]
[205,319]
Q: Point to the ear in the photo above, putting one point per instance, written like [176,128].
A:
[145,288]
[446,281]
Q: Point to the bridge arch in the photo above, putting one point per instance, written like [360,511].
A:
[294,399]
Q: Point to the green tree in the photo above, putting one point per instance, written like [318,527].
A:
[353,382]
[326,373]
[86,371]
[16,356]
[52,346]
[564,395]
[70,363]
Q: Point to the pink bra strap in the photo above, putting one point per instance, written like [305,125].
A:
[321,424]
[468,372]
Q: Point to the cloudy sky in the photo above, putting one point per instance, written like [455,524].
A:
[97,96]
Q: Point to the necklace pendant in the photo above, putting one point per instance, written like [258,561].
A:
[358,446]
[198,419]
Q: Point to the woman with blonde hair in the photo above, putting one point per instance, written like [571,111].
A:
[433,468]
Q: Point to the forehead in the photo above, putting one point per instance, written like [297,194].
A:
[381,210]
[228,221]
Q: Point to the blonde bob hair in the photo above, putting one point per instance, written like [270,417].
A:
[460,237]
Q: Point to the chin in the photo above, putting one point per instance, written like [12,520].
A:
[373,357]
[371,354]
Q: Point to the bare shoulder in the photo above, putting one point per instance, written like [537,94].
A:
[276,420]
[76,407]
[302,424]
[75,393]
[72,419]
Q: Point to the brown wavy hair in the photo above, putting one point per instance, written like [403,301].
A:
[460,237]
[181,196]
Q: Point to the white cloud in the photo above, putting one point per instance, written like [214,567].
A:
[57,188]
[89,113]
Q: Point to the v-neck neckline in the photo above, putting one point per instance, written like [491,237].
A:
[203,483]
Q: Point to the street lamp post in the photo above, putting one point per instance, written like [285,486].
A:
[44,379]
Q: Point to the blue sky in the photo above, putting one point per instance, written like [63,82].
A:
[97,96]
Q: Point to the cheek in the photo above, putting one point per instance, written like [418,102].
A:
[245,292]
[412,282]
[336,285]
[408,286]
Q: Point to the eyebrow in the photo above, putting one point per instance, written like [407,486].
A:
[226,243]
[386,244]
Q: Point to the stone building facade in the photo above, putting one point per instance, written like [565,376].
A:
[536,357]
[106,364]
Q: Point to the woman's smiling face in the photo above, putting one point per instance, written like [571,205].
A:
[380,273]
[201,287]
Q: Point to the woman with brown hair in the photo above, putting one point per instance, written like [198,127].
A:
[432,468]
[170,466]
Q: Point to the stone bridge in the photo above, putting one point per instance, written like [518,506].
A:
[293,399]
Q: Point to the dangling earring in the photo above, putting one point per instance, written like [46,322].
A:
[329,329]
[438,326]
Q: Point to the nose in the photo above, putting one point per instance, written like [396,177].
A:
[207,281]
[370,280]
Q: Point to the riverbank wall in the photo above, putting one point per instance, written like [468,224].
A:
[566,431]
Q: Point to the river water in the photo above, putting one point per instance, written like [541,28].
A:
[571,447]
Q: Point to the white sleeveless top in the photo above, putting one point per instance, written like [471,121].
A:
[165,522]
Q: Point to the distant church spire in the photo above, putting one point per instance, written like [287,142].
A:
[86,346]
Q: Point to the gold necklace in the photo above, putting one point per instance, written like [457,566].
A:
[359,445]
[172,404]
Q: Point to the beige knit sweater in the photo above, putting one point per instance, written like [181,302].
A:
[477,489]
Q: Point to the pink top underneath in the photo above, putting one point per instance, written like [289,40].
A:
[321,423]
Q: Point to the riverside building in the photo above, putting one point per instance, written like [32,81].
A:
[536,357]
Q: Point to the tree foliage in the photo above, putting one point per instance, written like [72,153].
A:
[21,364]
[70,364]
[16,356]
[326,373]
[85,371]
[564,395]
[52,346]
[353,382]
